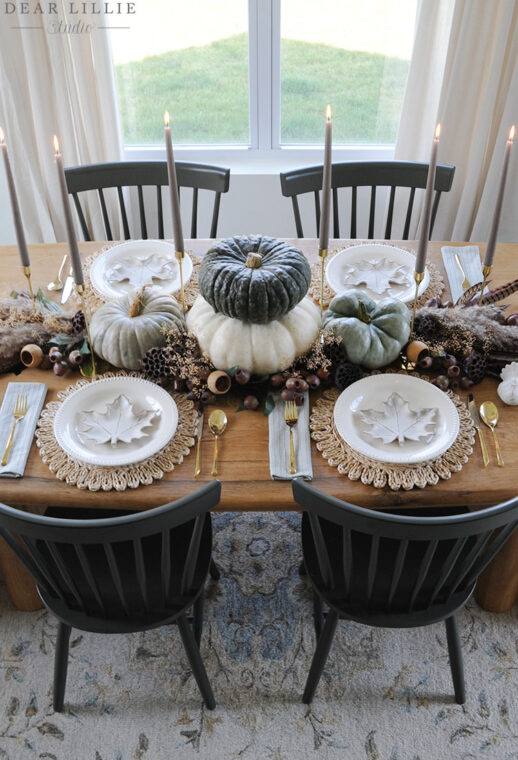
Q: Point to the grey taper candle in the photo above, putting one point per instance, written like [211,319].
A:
[75,257]
[420,261]
[326,184]
[491,241]
[173,188]
[17,217]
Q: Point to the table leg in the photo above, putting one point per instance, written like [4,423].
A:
[20,584]
[497,587]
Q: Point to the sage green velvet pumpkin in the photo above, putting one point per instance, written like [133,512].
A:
[254,278]
[123,330]
[373,333]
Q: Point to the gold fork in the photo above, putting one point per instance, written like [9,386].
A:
[20,410]
[466,284]
[291,416]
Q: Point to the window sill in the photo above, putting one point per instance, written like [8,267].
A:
[244,160]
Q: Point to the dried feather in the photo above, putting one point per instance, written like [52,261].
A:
[498,294]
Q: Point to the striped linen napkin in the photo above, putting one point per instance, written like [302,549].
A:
[279,442]
[24,433]
[470,259]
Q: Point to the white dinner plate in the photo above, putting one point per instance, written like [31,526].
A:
[130,265]
[142,395]
[371,393]
[393,266]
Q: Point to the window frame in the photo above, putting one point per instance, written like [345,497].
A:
[264,154]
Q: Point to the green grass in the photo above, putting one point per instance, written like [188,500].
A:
[206,90]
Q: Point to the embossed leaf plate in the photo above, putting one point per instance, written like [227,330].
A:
[147,402]
[372,393]
[382,271]
[130,265]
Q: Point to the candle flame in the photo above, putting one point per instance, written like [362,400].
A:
[329,113]
[55,143]
[437,131]
[2,135]
[512,133]
[167,118]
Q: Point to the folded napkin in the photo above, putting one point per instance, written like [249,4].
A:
[279,442]
[470,259]
[25,428]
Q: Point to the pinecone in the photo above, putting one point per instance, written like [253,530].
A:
[475,367]
[155,364]
[346,374]
[78,322]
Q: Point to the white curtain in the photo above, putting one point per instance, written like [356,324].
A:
[464,74]
[56,83]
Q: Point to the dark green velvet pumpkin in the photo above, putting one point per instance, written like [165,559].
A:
[254,278]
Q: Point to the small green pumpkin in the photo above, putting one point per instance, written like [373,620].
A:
[254,278]
[123,330]
[373,333]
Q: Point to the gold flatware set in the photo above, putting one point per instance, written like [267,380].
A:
[489,415]
[291,416]
[19,412]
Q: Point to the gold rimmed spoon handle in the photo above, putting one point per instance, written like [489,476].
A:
[214,470]
[499,459]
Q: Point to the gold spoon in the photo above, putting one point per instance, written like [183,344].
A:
[217,426]
[489,414]
[57,284]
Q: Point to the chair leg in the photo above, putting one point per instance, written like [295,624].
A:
[198,618]
[302,569]
[320,656]
[195,661]
[61,665]
[456,661]
[214,571]
[318,614]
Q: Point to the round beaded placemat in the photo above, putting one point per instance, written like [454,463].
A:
[435,288]
[94,300]
[98,478]
[356,466]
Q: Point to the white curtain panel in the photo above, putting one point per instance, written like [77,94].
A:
[55,83]
[464,74]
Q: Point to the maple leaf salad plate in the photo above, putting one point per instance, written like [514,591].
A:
[116,421]
[382,271]
[397,419]
[130,265]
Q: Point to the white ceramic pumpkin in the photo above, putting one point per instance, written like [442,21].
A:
[123,330]
[260,349]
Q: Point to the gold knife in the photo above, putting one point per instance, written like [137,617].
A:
[199,433]
[475,418]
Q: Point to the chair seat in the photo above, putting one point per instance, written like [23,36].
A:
[160,611]
[351,606]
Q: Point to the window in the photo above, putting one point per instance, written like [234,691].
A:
[252,77]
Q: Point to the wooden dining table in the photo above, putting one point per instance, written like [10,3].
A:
[243,458]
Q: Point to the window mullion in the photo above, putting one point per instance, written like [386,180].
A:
[275,121]
[261,70]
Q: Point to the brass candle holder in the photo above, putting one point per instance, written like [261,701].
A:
[418,277]
[27,273]
[179,257]
[323,255]
[80,290]
[486,272]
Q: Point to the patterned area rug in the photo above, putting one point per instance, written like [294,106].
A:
[385,694]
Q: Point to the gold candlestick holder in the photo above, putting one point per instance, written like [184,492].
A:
[179,257]
[486,272]
[323,255]
[80,290]
[418,277]
[27,273]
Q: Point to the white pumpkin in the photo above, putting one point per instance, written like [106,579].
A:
[123,330]
[260,349]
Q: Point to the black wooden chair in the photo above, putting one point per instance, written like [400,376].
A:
[373,174]
[121,574]
[141,174]
[393,570]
